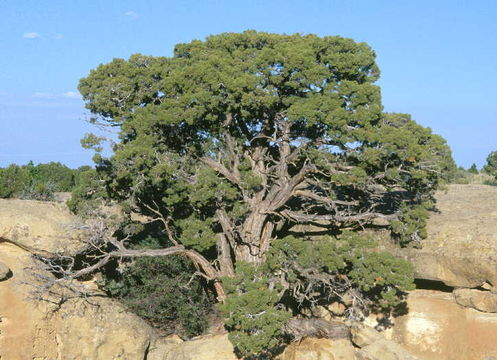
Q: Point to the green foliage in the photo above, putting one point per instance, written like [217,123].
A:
[13,179]
[62,177]
[88,194]
[197,233]
[426,156]
[411,224]
[326,266]
[242,137]
[253,319]
[91,141]
[461,176]
[163,291]
[313,270]
[37,182]
[491,166]
[469,176]
[491,182]
[38,191]
[473,169]
[382,277]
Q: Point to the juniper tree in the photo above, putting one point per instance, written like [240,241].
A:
[260,155]
[491,165]
[473,169]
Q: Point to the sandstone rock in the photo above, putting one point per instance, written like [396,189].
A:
[461,251]
[384,350]
[461,248]
[216,347]
[101,329]
[486,286]
[480,300]
[374,345]
[437,328]
[41,225]
[4,272]
[328,312]
[322,349]
[363,335]
[336,308]
[454,266]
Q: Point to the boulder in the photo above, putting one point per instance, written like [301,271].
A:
[461,247]
[4,272]
[40,225]
[103,329]
[437,328]
[214,347]
[96,329]
[329,312]
[384,350]
[363,335]
[485,301]
[461,251]
[323,349]
[375,346]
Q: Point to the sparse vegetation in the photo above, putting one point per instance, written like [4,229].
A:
[164,291]
[473,169]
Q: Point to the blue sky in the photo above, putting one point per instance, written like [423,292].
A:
[438,60]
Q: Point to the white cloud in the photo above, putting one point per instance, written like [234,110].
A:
[58,36]
[72,95]
[43,95]
[31,35]
[131,14]
[51,96]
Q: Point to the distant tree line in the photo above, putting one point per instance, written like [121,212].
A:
[38,182]
[486,175]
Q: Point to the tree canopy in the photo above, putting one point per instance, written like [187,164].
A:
[262,155]
[473,169]
[491,166]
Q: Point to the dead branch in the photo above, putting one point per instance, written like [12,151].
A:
[300,328]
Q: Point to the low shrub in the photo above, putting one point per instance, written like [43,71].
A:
[163,291]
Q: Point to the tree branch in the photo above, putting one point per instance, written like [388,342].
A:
[221,169]
[333,219]
[322,199]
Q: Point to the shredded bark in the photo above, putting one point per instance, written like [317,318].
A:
[317,328]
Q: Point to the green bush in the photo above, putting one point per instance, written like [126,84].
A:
[38,191]
[87,194]
[473,169]
[491,182]
[164,292]
[491,166]
[411,225]
[253,318]
[13,179]
[346,263]
[461,176]
[302,272]
[60,176]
